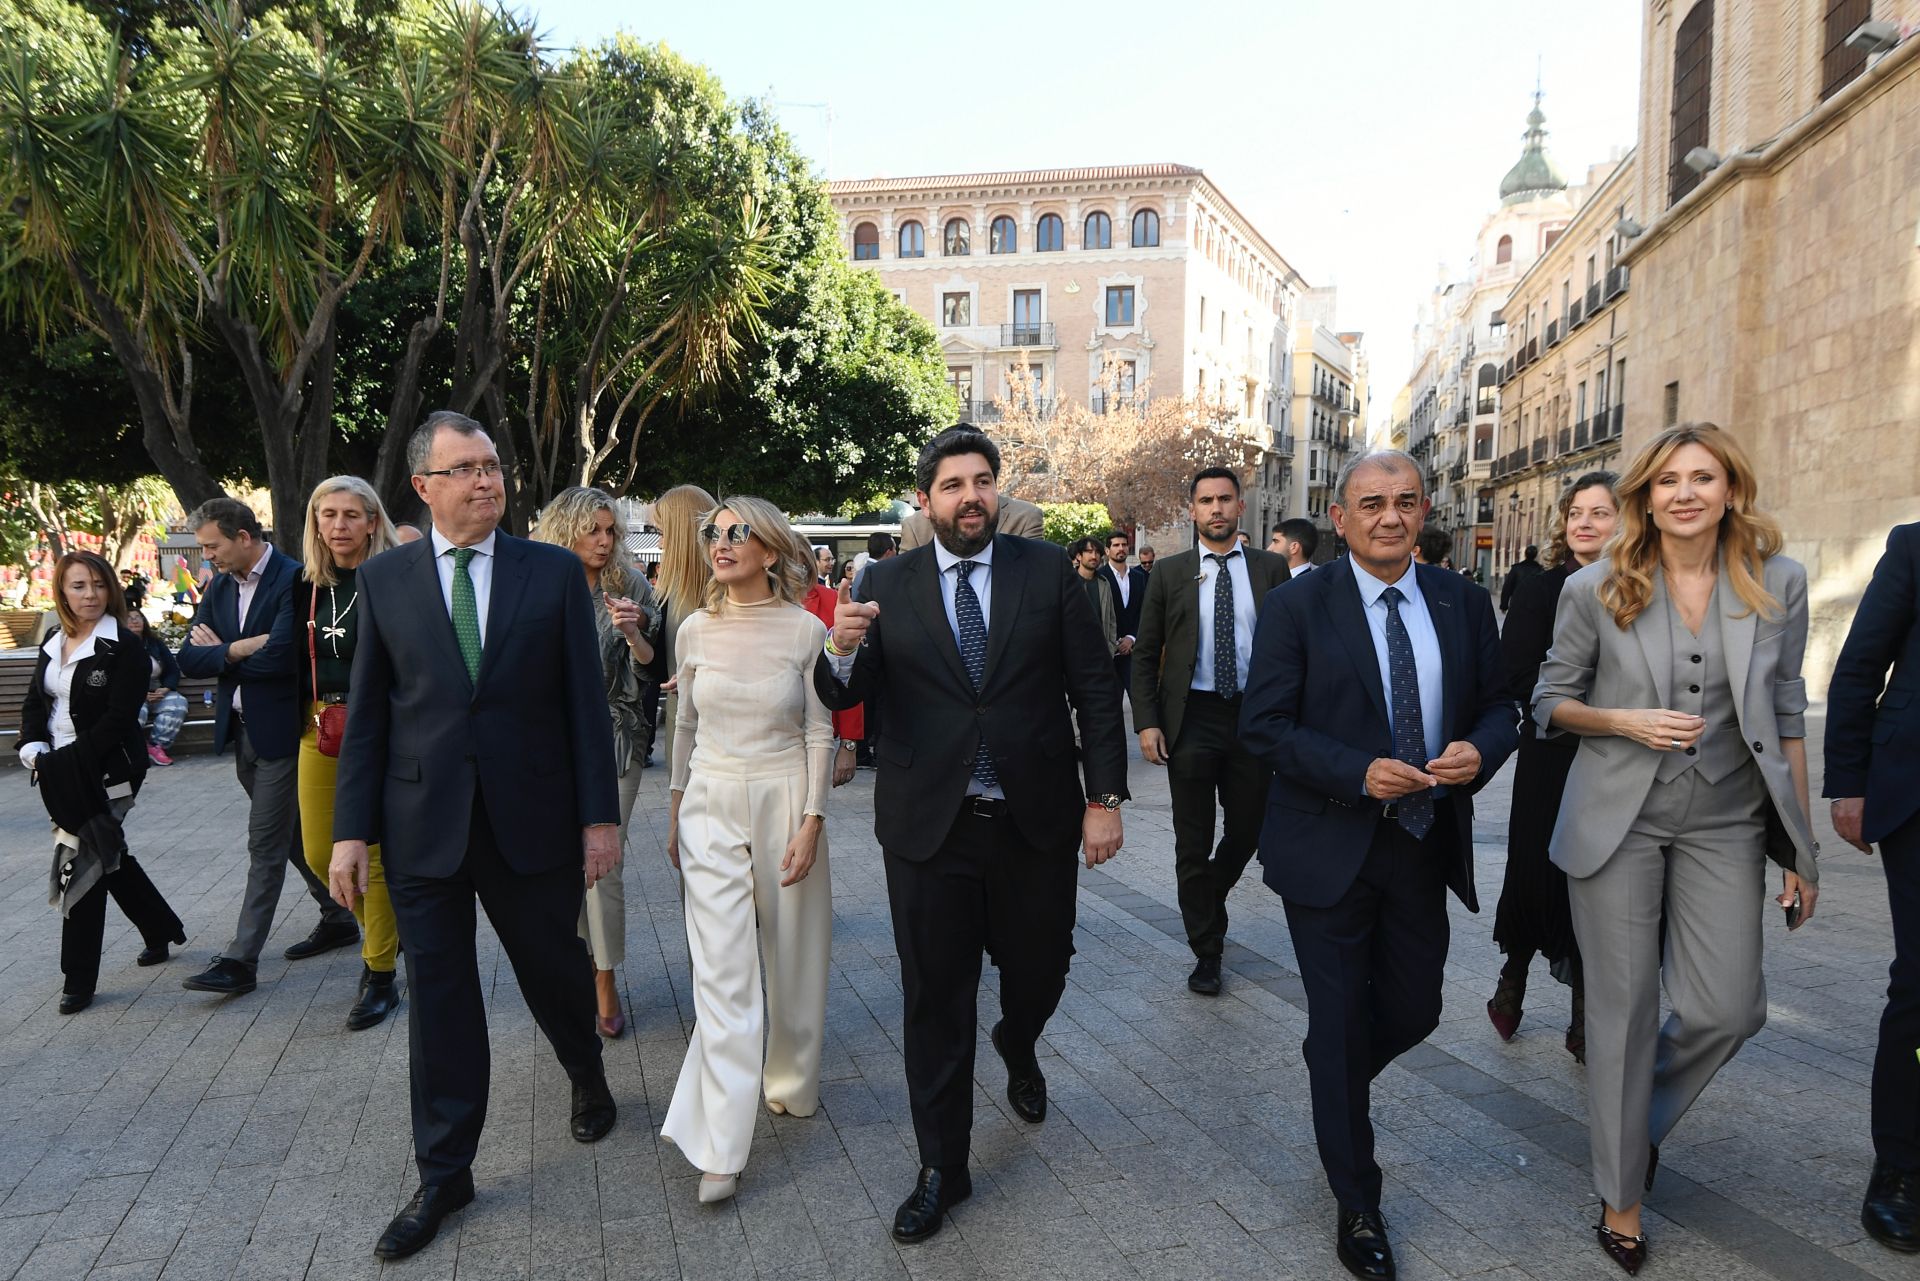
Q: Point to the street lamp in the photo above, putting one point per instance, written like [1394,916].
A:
[1874,38]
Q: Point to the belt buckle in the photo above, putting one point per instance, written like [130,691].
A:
[1390,809]
[983,806]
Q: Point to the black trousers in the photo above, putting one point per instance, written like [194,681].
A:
[986,887]
[1896,1072]
[535,917]
[1123,672]
[1205,763]
[1371,964]
[86,925]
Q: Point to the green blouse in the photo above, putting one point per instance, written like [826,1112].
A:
[336,626]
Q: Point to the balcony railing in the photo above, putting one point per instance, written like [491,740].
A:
[1553,333]
[1100,404]
[1576,313]
[1616,281]
[1565,441]
[1540,450]
[1619,420]
[1533,350]
[987,411]
[1027,334]
[1593,298]
[1580,434]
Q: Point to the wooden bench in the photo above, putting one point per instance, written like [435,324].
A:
[17,627]
[16,670]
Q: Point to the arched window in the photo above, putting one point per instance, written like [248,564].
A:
[1146,229]
[956,242]
[1003,236]
[1692,96]
[1842,62]
[1050,236]
[913,240]
[1099,232]
[1503,252]
[866,242]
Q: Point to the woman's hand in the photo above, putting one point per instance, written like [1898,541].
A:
[673,844]
[1809,894]
[843,766]
[155,695]
[627,616]
[800,850]
[1658,728]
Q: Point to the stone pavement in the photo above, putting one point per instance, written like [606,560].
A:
[168,1134]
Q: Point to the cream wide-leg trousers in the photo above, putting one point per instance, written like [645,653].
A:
[733,835]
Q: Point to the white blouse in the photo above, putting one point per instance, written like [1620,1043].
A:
[58,684]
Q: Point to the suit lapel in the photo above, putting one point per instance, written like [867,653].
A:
[1444,610]
[509,585]
[1736,642]
[1654,630]
[1350,621]
[1009,584]
[926,590]
[423,582]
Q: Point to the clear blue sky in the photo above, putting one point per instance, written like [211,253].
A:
[1366,142]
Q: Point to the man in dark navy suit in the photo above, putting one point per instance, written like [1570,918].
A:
[1129,587]
[244,633]
[1873,759]
[479,755]
[1376,698]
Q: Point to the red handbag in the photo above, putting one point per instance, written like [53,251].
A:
[330,721]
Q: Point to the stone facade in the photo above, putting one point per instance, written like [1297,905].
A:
[1059,271]
[1779,296]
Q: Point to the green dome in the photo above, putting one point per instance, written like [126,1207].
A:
[1535,175]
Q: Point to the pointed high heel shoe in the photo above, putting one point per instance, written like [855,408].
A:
[1629,1252]
[713,1191]
[1509,999]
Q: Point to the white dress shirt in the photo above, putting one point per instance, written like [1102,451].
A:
[1297,570]
[58,684]
[249,583]
[1426,649]
[479,569]
[1246,612]
[1121,580]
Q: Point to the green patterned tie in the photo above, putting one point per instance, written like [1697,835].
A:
[466,613]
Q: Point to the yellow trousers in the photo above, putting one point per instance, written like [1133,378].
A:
[379,936]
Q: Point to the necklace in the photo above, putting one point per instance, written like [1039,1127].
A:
[337,631]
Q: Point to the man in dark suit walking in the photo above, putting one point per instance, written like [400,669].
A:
[1873,758]
[978,643]
[1195,646]
[1129,593]
[1376,698]
[244,633]
[479,755]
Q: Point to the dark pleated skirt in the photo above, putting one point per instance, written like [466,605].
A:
[1534,915]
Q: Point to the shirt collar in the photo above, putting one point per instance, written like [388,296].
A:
[105,629]
[1371,587]
[1206,555]
[442,544]
[946,560]
[259,566]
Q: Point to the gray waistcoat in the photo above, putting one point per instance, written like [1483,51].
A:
[1702,688]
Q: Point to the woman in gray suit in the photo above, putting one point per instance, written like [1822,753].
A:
[1677,662]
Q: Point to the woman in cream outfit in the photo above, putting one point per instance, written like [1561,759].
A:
[1677,662]
[752,764]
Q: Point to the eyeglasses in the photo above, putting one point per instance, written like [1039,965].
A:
[467,471]
[734,534]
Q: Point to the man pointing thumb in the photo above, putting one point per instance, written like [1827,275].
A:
[851,618]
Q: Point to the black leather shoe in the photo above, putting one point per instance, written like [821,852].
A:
[74,1002]
[155,955]
[1026,1088]
[419,1222]
[1205,978]
[938,1191]
[323,939]
[1890,1214]
[593,1110]
[378,998]
[1628,1252]
[1362,1245]
[225,977]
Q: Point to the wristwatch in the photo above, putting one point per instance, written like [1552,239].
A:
[1108,801]
[850,744]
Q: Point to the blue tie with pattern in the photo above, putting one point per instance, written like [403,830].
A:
[973,652]
[1226,656]
[1415,813]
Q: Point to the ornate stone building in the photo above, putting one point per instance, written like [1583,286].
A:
[1059,271]
[1776,276]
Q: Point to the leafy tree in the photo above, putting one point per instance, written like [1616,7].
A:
[1063,523]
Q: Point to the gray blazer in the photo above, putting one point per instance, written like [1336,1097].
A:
[1594,661]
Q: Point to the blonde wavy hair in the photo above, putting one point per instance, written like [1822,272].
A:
[1748,536]
[684,569]
[317,557]
[792,572]
[569,517]
[1557,533]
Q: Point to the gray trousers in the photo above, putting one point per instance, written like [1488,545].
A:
[273,842]
[603,914]
[1698,850]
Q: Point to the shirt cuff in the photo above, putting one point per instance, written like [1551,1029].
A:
[842,665]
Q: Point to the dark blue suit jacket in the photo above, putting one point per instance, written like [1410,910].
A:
[533,733]
[1316,714]
[1873,734]
[1127,617]
[270,676]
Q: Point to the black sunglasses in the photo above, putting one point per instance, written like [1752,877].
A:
[734,534]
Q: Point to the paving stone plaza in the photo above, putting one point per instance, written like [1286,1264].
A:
[167,1134]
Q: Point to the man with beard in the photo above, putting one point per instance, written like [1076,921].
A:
[978,643]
